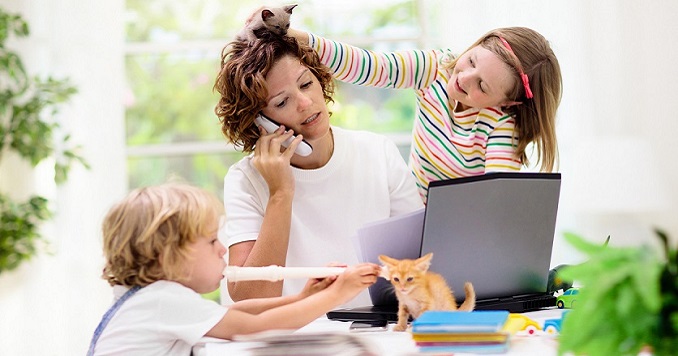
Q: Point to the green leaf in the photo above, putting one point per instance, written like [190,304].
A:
[581,244]
[28,123]
[620,294]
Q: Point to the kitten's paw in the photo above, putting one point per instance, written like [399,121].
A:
[399,327]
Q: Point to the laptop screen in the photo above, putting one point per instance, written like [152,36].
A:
[494,230]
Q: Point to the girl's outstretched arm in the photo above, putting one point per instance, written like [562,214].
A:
[406,69]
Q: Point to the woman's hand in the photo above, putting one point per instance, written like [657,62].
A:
[272,160]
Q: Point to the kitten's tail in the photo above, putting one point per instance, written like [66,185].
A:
[470,300]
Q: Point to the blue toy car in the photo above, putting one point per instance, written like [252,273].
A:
[552,326]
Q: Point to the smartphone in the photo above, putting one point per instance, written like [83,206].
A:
[368,325]
[303,149]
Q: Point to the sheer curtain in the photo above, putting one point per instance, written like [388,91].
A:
[51,305]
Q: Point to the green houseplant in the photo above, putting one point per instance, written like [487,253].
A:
[28,127]
[628,300]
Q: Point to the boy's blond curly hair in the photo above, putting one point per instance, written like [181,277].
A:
[146,235]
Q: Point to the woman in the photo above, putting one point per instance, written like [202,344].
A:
[285,209]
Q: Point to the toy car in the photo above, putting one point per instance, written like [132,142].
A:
[552,326]
[567,299]
[520,324]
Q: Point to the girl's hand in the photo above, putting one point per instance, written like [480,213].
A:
[355,279]
[273,163]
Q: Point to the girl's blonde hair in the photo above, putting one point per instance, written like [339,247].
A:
[146,235]
[535,117]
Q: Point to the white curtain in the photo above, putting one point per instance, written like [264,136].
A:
[51,305]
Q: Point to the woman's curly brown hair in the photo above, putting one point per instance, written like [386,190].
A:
[242,84]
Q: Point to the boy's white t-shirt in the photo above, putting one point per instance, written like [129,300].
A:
[163,318]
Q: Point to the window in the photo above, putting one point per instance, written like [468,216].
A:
[172,57]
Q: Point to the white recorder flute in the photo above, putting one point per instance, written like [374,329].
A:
[277,273]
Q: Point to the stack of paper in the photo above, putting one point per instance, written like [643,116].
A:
[323,343]
[453,331]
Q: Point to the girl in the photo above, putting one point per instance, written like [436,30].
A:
[288,209]
[162,251]
[476,113]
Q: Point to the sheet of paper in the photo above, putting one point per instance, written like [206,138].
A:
[398,237]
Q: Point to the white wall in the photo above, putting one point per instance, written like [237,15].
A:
[618,61]
[51,305]
[616,124]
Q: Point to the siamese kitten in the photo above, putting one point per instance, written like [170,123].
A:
[419,290]
[273,19]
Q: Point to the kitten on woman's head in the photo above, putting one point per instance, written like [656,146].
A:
[419,289]
[275,20]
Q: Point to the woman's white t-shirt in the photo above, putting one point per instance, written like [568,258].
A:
[365,180]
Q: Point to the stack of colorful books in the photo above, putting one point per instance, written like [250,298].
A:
[454,331]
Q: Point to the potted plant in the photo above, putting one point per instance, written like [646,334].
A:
[28,127]
[628,301]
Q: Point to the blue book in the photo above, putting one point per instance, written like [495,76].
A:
[463,322]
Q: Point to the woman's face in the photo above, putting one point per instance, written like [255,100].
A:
[480,79]
[295,99]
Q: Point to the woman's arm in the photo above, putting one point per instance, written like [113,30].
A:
[271,245]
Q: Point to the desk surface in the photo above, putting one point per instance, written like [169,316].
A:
[393,343]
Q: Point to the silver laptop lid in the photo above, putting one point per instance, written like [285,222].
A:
[494,230]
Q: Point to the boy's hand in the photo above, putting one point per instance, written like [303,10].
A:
[355,279]
[315,285]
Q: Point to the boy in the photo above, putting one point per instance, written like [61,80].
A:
[162,252]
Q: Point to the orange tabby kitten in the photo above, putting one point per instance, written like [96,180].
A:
[419,290]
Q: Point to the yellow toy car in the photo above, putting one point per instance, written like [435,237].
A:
[520,324]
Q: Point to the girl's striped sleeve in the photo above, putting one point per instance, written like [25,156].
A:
[413,69]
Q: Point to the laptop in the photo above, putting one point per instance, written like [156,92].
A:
[495,230]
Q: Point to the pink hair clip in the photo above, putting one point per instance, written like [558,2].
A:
[523,76]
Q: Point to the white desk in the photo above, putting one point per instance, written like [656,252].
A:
[394,343]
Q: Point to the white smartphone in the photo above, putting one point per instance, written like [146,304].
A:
[368,325]
[303,149]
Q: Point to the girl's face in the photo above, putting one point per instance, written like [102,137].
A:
[295,99]
[205,263]
[480,80]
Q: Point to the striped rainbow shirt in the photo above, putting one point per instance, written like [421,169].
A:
[445,144]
